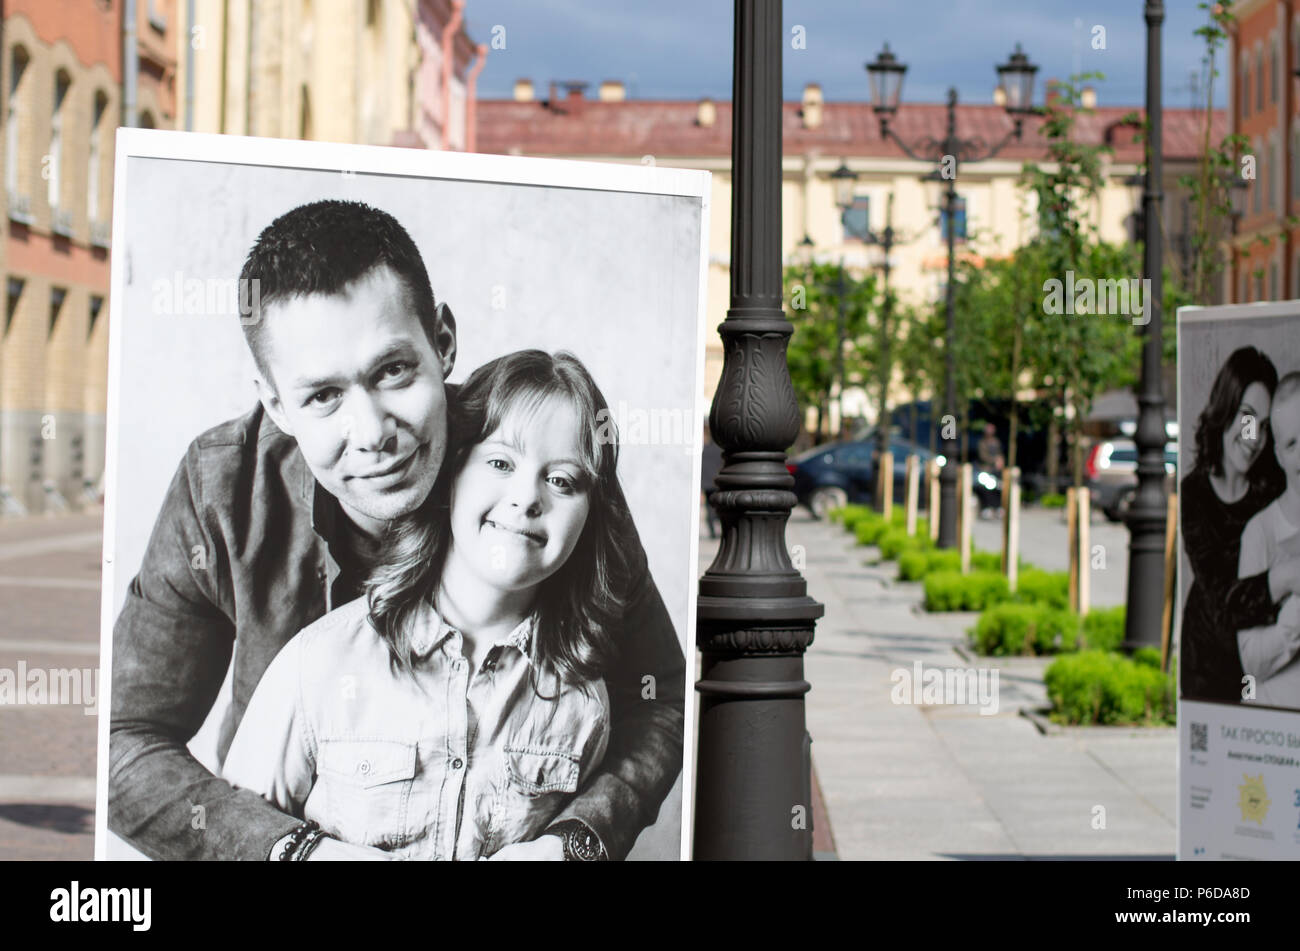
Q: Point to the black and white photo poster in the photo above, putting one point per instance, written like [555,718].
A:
[402,493]
[1238,625]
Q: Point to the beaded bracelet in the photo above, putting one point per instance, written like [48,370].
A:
[297,838]
[310,842]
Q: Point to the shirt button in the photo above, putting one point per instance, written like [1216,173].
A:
[364,766]
[457,763]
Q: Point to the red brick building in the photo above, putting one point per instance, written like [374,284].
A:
[1264,52]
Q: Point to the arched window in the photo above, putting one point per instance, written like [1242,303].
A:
[54,157]
[18,61]
[146,120]
[93,169]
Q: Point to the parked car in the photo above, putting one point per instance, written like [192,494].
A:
[1112,474]
[838,473]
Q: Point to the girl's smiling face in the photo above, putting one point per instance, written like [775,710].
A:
[521,499]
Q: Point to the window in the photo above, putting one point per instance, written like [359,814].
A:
[857,218]
[146,120]
[15,290]
[1243,289]
[1245,88]
[1274,173]
[1295,164]
[1257,186]
[96,307]
[1272,281]
[1259,285]
[92,159]
[1273,68]
[54,158]
[13,121]
[305,128]
[1259,83]
[57,296]
[959,219]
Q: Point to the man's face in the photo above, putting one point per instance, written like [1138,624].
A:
[356,381]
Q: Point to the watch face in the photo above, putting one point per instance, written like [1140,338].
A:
[584,845]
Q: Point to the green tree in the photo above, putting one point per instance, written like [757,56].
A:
[812,295]
[1078,350]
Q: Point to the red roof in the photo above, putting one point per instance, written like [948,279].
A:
[637,127]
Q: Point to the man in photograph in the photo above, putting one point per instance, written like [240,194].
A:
[278,517]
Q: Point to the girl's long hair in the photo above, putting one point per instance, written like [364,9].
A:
[1246,365]
[577,608]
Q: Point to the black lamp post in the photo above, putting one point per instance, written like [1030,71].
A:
[1146,516]
[1016,77]
[753,793]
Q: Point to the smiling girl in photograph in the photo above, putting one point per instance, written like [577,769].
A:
[460,705]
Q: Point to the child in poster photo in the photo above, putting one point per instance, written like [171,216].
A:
[1269,653]
[460,705]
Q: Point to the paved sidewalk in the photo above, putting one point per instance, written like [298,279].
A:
[906,781]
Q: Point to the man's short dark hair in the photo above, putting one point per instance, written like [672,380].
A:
[321,248]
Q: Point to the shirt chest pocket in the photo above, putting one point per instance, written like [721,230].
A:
[363,789]
[534,785]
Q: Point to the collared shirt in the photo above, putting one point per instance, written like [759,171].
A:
[244,554]
[437,764]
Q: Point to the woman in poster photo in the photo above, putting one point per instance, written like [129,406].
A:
[1234,478]
[485,628]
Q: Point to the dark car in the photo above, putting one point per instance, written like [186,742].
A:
[838,473]
[1112,474]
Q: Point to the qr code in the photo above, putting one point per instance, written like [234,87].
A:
[1200,738]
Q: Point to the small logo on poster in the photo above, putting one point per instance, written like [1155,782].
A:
[1254,799]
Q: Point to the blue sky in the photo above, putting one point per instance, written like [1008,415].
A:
[681,49]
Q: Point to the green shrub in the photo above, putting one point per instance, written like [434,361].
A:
[868,530]
[1050,588]
[914,565]
[895,541]
[1052,500]
[1147,656]
[1099,687]
[953,591]
[1104,630]
[850,515]
[1009,629]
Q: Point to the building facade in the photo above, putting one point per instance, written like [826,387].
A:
[996,216]
[380,72]
[374,72]
[1263,53]
[62,80]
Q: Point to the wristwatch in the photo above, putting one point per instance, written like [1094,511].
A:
[581,844]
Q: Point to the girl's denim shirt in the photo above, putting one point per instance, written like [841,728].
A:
[435,766]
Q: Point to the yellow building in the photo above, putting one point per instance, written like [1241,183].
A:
[375,72]
[818,137]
